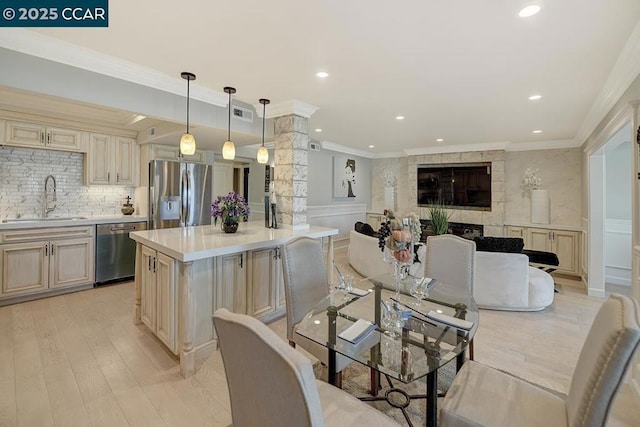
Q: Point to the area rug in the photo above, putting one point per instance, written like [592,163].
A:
[355,381]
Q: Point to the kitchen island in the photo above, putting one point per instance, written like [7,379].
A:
[184,274]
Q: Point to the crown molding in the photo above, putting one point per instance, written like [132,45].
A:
[624,72]
[285,108]
[390,155]
[542,145]
[346,150]
[461,148]
[42,46]
[619,119]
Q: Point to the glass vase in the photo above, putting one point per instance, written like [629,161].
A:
[400,243]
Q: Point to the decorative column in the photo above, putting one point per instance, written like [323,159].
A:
[291,169]
[291,137]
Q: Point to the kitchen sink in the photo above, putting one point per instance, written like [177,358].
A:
[60,218]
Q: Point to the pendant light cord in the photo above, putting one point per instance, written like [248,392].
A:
[264,109]
[229,127]
[188,105]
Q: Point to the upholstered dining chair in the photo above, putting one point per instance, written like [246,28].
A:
[271,384]
[305,284]
[482,396]
[452,260]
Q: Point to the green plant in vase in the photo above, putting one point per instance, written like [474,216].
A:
[439,217]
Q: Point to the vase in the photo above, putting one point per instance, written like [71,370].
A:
[539,207]
[400,244]
[229,227]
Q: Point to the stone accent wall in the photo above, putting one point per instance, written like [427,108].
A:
[405,170]
[560,170]
[291,172]
[22,175]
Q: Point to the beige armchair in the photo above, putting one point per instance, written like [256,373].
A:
[305,284]
[481,396]
[271,384]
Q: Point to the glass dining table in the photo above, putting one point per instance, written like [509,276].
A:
[420,338]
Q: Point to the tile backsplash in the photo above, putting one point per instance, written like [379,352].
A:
[22,175]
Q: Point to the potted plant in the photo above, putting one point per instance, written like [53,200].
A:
[439,217]
[230,209]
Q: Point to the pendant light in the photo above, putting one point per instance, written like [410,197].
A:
[229,149]
[263,153]
[187,142]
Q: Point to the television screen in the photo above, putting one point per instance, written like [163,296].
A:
[466,186]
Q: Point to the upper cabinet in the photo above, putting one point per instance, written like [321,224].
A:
[33,135]
[165,152]
[112,160]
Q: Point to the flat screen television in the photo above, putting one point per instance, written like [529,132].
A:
[462,186]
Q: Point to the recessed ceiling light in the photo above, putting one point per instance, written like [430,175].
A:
[534,97]
[439,140]
[537,131]
[399,117]
[322,74]
[318,130]
[372,146]
[529,11]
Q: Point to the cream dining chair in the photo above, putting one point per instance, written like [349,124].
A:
[482,396]
[452,260]
[305,284]
[271,384]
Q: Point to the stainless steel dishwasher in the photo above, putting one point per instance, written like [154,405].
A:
[115,251]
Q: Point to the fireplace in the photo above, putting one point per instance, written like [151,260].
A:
[468,231]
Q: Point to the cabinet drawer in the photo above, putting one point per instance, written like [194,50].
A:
[31,234]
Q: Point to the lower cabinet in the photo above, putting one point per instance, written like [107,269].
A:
[564,243]
[266,283]
[159,294]
[231,281]
[45,259]
[251,283]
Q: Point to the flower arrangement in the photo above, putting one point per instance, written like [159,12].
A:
[230,208]
[530,180]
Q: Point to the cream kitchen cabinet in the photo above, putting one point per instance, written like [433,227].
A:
[265,292]
[112,160]
[564,243]
[231,282]
[159,296]
[38,136]
[45,259]
[166,152]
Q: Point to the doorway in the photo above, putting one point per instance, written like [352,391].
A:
[610,213]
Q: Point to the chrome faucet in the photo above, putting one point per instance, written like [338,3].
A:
[46,209]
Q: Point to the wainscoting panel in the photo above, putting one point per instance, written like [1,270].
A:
[342,217]
[617,252]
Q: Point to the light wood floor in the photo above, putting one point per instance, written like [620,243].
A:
[78,360]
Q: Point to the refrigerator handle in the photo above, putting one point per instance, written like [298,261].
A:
[184,211]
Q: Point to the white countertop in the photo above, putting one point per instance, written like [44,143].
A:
[207,241]
[87,220]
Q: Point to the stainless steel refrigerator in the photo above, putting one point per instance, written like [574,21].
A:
[179,194]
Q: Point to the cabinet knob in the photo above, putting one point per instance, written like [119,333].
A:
[109,176]
[48,137]
[41,137]
[53,247]
[241,260]
[118,177]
